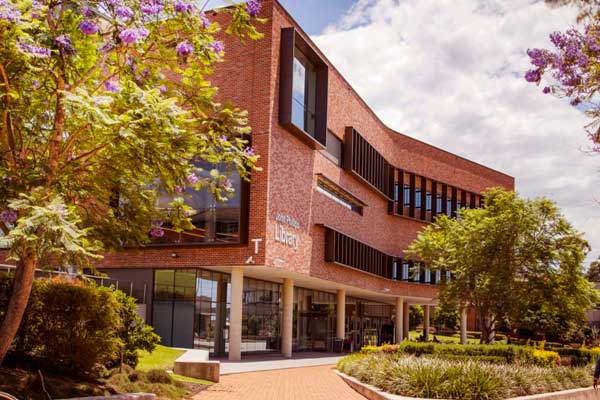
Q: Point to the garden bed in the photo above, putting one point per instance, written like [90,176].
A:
[439,378]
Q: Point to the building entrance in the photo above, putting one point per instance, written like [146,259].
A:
[367,324]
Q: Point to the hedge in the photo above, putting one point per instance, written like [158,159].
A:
[580,356]
[76,327]
[492,352]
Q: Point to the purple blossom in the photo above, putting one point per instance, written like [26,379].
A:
[112,86]
[36,9]
[88,27]
[253,7]
[8,216]
[87,12]
[8,12]
[216,46]
[151,7]
[546,90]
[64,43]
[35,84]
[162,89]
[157,232]
[222,138]
[184,48]
[129,35]
[107,46]
[205,20]
[538,57]
[249,152]
[193,179]
[227,184]
[34,51]
[181,6]
[533,75]
[143,32]
[576,101]
[178,189]
[124,12]
[113,2]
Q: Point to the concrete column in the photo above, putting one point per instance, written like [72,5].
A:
[406,326]
[340,327]
[463,325]
[426,309]
[399,319]
[288,317]
[235,314]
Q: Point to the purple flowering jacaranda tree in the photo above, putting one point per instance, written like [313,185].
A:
[92,131]
[571,69]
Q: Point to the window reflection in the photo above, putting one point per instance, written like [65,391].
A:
[214,221]
[261,316]
[304,93]
[314,320]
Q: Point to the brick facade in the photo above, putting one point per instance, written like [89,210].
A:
[286,185]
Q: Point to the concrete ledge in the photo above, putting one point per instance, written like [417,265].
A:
[574,394]
[207,370]
[128,396]
[373,393]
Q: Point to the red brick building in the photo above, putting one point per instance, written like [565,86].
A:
[312,249]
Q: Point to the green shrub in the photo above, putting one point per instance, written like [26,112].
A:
[370,349]
[579,357]
[390,348]
[416,348]
[75,327]
[407,375]
[133,332]
[158,376]
[545,358]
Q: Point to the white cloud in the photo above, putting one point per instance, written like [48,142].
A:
[450,72]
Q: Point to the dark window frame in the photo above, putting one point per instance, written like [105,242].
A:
[290,41]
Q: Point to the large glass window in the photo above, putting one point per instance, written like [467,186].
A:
[314,320]
[304,93]
[173,307]
[213,302]
[418,198]
[367,323]
[439,203]
[449,207]
[261,316]
[214,221]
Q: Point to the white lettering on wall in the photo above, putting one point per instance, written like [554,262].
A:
[284,234]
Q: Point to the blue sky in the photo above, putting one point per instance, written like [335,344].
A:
[313,22]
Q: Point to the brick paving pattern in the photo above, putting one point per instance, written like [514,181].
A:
[313,383]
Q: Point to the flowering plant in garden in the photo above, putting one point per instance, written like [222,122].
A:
[104,106]
[571,70]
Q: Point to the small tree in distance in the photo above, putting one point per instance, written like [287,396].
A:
[105,104]
[509,258]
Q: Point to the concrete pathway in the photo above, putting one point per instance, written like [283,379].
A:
[273,362]
[308,383]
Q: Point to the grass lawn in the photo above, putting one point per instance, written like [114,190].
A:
[413,335]
[164,358]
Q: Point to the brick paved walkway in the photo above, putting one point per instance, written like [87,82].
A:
[312,383]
